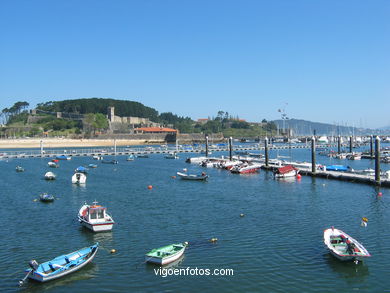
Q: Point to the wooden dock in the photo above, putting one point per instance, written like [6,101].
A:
[341,176]
[122,151]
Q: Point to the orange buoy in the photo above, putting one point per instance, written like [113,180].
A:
[299,176]
[379,193]
[173,177]
[150,187]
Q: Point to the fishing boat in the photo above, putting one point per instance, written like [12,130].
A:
[50,176]
[171,156]
[92,166]
[109,161]
[130,158]
[286,172]
[53,164]
[61,265]
[44,197]
[63,157]
[95,218]
[343,246]
[166,254]
[200,177]
[246,168]
[81,169]
[79,178]
[19,169]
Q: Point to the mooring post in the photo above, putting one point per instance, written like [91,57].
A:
[371,147]
[339,144]
[350,144]
[41,148]
[313,154]
[266,151]
[230,148]
[115,146]
[377,161]
[207,146]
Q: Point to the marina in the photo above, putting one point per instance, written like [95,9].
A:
[200,214]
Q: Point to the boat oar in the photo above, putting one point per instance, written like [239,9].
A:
[21,282]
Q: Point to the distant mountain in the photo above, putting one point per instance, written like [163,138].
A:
[303,127]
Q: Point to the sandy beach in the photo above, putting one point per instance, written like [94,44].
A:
[64,142]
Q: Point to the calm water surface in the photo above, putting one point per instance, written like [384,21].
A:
[276,247]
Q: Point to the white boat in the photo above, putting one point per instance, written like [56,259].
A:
[246,168]
[354,156]
[52,164]
[286,172]
[99,158]
[323,140]
[166,254]
[95,218]
[79,178]
[343,246]
[50,176]
[200,177]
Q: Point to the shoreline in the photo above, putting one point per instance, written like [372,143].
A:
[67,142]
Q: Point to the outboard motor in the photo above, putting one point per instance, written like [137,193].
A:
[33,264]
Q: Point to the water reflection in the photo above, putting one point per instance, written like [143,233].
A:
[348,271]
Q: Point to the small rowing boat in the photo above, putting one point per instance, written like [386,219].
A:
[166,254]
[61,265]
[343,246]
[44,197]
[200,177]
[19,169]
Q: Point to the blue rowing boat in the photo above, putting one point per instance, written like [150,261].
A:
[341,168]
[61,265]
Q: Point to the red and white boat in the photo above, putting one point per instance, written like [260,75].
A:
[246,168]
[286,172]
[343,246]
[95,217]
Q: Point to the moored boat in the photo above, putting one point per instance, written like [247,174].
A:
[286,172]
[81,169]
[343,246]
[109,161]
[61,265]
[53,164]
[200,177]
[63,157]
[246,168]
[44,197]
[19,169]
[166,254]
[98,158]
[130,158]
[92,166]
[95,217]
[79,178]
[171,156]
[50,176]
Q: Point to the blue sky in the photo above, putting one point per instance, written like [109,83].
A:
[325,61]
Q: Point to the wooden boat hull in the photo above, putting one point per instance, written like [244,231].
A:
[165,260]
[40,277]
[357,254]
